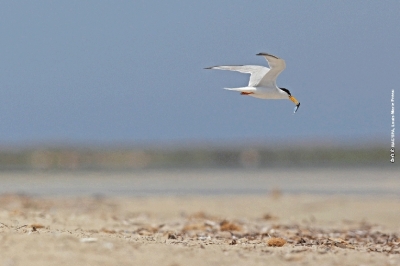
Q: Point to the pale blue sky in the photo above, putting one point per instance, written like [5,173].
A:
[132,71]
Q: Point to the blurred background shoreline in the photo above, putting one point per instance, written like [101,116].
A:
[356,181]
[196,156]
[206,170]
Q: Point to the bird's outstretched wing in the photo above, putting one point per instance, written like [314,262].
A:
[256,72]
[277,65]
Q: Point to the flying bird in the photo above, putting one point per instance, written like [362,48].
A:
[262,83]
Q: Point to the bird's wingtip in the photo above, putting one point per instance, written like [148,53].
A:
[208,67]
[266,54]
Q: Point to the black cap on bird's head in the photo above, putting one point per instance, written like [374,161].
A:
[286,90]
[294,100]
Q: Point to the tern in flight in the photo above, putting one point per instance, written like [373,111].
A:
[262,83]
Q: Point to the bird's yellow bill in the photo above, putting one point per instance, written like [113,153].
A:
[296,102]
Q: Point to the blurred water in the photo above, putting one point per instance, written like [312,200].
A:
[367,181]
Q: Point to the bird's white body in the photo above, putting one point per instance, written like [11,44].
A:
[263,92]
[262,83]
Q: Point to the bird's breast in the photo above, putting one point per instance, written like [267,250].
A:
[269,93]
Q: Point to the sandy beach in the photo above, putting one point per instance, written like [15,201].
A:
[272,228]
